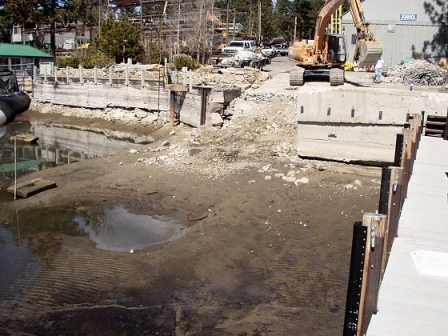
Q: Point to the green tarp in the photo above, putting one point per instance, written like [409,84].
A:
[9,167]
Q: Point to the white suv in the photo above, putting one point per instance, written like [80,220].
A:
[235,46]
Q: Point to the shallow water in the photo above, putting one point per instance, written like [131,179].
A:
[28,237]
[119,230]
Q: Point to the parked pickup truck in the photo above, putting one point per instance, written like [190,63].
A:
[235,46]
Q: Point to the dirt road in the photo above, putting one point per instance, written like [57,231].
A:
[274,260]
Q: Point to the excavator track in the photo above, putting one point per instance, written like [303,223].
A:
[296,76]
[336,77]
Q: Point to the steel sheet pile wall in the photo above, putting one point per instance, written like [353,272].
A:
[374,236]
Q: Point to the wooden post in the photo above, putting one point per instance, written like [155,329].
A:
[172,106]
[376,226]
[142,77]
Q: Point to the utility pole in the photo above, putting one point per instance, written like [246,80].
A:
[295,29]
[259,21]
[227,21]
[234,22]
[178,28]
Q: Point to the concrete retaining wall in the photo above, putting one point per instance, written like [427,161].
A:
[102,95]
[358,125]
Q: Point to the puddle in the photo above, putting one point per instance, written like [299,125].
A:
[119,230]
[29,243]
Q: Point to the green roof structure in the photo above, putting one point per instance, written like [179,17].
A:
[21,50]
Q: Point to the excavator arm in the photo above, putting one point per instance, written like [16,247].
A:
[367,50]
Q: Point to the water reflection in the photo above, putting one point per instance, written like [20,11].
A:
[16,261]
[55,146]
[117,229]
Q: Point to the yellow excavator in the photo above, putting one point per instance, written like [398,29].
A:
[327,53]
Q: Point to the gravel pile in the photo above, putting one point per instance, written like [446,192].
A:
[418,72]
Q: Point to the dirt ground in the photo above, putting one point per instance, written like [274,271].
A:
[274,260]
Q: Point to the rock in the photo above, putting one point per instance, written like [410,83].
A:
[289,178]
[214,119]
[267,168]
[302,180]
[291,173]
[349,186]
[239,78]
[227,78]
[255,86]
[251,181]
[261,76]
[133,151]
[46,109]
[149,119]
[279,175]
[165,143]
[358,182]
[140,114]
[144,140]
[268,178]
[173,132]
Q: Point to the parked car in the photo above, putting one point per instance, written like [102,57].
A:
[269,51]
[282,49]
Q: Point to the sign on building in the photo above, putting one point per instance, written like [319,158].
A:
[408,17]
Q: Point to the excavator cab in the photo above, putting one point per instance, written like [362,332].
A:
[337,49]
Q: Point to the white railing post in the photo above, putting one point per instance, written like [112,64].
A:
[80,75]
[127,76]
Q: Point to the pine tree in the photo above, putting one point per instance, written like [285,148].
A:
[120,39]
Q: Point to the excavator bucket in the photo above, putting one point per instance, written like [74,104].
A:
[370,52]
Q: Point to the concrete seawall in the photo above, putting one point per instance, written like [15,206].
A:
[358,124]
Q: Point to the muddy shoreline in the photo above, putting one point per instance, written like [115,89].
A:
[273,261]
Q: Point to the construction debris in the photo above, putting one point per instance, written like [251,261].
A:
[418,72]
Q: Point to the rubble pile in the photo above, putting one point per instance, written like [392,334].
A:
[418,72]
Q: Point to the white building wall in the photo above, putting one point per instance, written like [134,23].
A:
[400,37]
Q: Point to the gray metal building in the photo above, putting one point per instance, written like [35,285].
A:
[401,25]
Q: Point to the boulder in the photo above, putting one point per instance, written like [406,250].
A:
[214,119]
